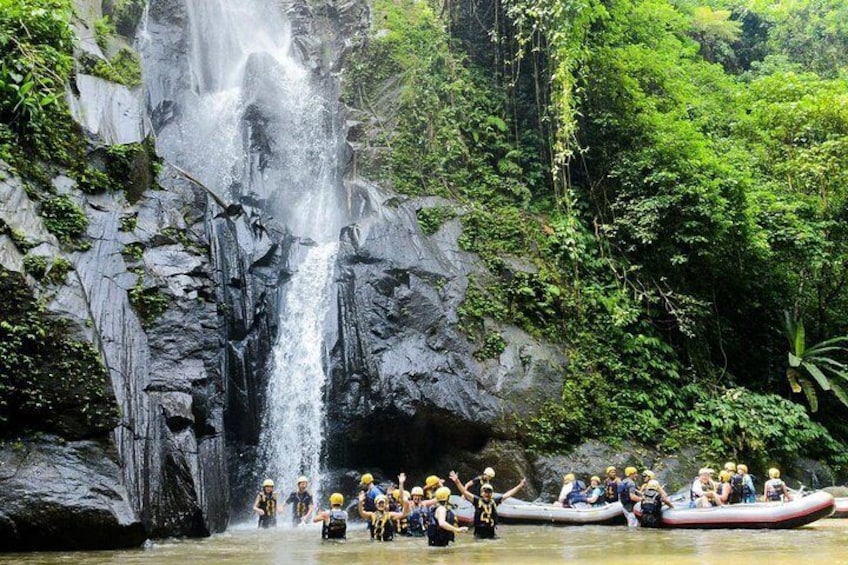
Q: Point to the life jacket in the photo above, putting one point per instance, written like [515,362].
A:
[336,526]
[370,494]
[611,490]
[651,508]
[485,518]
[748,493]
[737,489]
[576,494]
[705,487]
[437,536]
[416,522]
[382,527]
[775,490]
[300,504]
[600,500]
[624,494]
[268,504]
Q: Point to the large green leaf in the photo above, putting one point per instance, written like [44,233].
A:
[821,379]
[800,337]
[794,361]
[810,393]
[840,393]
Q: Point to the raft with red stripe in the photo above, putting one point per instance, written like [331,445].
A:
[841,508]
[761,515]
[515,511]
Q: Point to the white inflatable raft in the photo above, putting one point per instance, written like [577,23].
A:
[772,515]
[841,507]
[515,511]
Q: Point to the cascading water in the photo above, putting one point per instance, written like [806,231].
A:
[251,124]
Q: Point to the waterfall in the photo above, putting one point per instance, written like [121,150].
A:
[252,124]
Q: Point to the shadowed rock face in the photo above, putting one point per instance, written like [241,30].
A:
[64,496]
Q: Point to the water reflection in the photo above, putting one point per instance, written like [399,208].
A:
[822,542]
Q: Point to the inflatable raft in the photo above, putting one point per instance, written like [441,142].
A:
[841,505]
[514,511]
[771,515]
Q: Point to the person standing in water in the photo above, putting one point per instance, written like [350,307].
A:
[301,502]
[485,505]
[442,524]
[473,486]
[265,505]
[334,520]
[381,521]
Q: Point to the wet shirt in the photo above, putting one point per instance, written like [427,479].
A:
[486,513]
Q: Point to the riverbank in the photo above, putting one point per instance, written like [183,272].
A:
[821,542]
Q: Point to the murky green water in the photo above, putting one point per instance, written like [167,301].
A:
[824,542]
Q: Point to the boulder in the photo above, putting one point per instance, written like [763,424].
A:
[56,495]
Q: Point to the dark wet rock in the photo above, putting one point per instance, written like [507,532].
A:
[400,367]
[57,495]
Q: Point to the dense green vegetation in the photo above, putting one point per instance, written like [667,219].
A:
[674,174]
[50,381]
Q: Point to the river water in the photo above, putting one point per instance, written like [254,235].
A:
[822,542]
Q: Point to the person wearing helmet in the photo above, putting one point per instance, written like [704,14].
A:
[572,492]
[775,490]
[749,492]
[653,497]
[334,520]
[397,499]
[381,520]
[724,489]
[485,505]
[473,486]
[431,484]
[704,491]
[611,483]
[442,524]
[416,521]
[265,505]
[372,491]
[595,494]
[628,495]
[301,502]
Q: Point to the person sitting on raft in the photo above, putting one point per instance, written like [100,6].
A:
[473,486]
[611,485]
[485,505]
[775,489]
[572,492]
[725,489]
[301,502]
[381,521]
[334,520]
[704,491]
[595,496]
[266,505]
[442,523]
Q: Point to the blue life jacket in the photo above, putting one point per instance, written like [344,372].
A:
[576,494]
[624,494]
[437,536]
[417,522]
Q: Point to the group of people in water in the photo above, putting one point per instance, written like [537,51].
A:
[426,511]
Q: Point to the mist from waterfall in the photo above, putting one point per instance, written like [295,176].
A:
[253,125]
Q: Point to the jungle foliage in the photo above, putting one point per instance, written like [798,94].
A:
[674,173]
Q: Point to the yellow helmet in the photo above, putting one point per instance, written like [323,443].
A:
[595,478]
[730,466]
[442,494]
[654,484]
[267,483]
[380,498]
[302,479]
[742,468]
[648,473]
[724,476]
[366,479]
[630,471]
[774,473]
[336,499]
[417,491]
[397,492]
[610,469]
[489,472]
[431,481]
[568,478]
